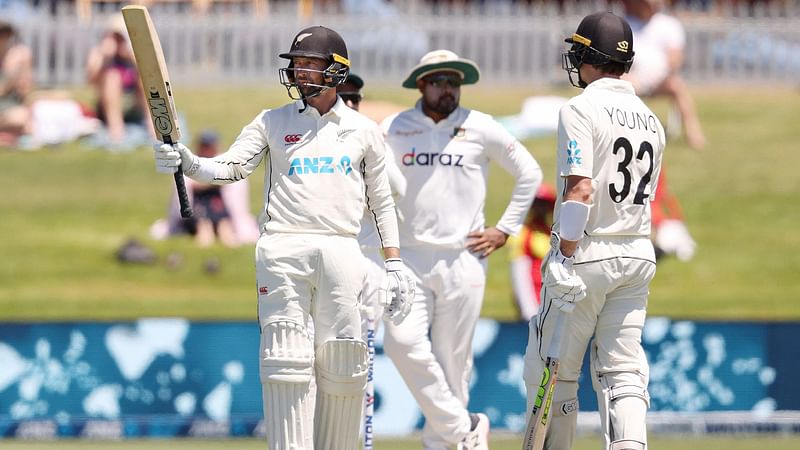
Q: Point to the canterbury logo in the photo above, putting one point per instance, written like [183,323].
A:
[292,138]
[622,46]
[302,36]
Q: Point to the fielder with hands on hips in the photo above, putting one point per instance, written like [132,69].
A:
[325,163]
[443,151]
[610,147]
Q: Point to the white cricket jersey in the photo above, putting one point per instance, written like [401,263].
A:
[446,165]
[321,171]
[368,237]
[609,135]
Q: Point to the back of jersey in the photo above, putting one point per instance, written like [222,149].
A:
[609,135]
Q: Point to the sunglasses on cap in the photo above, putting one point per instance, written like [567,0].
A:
[352,97]
[440,81]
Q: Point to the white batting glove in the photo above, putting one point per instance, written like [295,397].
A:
[397,293]
[169,158]
[564,286]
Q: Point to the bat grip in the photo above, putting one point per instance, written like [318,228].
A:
[183,197]
[180,185]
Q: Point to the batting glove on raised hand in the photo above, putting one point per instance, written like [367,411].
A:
[397,293]
[564,286]
[171,157]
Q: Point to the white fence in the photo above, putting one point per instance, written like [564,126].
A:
[512,44]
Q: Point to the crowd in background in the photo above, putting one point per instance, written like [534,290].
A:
[736,7]
[117,119]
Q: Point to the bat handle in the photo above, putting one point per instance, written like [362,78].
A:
[558,334]
[183,197]
[180,185]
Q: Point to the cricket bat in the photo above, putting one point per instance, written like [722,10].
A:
[153,74]
[369,404]
[540,413]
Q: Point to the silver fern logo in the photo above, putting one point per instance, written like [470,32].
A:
[341,135]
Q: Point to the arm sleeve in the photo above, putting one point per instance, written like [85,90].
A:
[397,182]
[240,160]
[575,142]
[378,192]
[512,156]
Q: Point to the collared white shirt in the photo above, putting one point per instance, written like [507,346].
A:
[609,135]
[446,166]
[321,171]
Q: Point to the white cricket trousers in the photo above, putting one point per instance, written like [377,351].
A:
[612,314]
[432,348]
[313,280]
[309,288]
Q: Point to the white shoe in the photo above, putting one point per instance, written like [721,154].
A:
[478,436]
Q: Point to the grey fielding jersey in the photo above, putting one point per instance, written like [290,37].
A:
[609,135]
[321,172]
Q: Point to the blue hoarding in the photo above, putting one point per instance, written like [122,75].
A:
[167,377]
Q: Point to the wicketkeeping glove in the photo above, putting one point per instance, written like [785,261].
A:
[397,293]
[564,286]
[171,157]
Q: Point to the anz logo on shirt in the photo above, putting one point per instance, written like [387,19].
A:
[319,164]
[574,153]
[413,158]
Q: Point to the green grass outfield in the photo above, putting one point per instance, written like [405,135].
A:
[66,210]
[677,443]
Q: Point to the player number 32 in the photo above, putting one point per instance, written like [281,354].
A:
[624,167]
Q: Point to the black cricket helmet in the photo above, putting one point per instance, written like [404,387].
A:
[601,38]
[321,43]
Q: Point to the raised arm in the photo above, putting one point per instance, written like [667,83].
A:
[237,163]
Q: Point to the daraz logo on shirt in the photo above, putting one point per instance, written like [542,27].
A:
[431,159]
[573,153]
[321,164]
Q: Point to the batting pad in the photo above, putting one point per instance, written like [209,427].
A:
[342,366]
[623,400]
[287,362]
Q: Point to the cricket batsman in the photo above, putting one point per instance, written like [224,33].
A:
[601,261]
[325,163]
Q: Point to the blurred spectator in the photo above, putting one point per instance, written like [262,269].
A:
[660,39]
[220,211]
[350,90]
[538,117]
[528,249]
[670,235]
[111,71]
[16,83]
[18,9]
